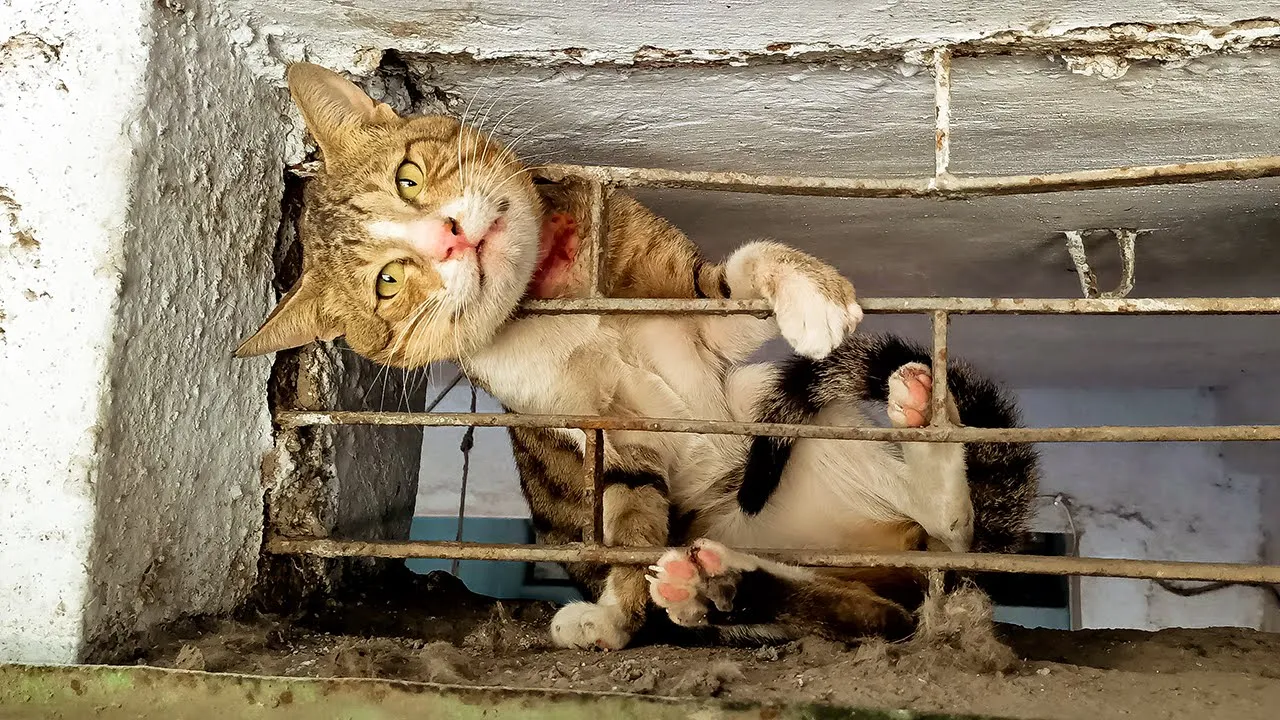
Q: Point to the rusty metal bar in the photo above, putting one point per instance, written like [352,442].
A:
[596,245]
[942,112]
[941,418]
[944,187]
[901,305]
[1101,433]
[975,562]
[593,481]
[934,187]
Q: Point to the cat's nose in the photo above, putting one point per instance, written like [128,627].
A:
[450,241]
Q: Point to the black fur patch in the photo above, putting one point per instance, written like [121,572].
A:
[792,401]
[635,479]
[698,266]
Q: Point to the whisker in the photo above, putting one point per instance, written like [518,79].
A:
[462,124]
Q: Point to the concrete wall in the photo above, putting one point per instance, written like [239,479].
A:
[1252,400]
[139,197]
[351,33]
[1174,501]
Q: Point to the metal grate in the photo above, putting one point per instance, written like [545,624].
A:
[942,185]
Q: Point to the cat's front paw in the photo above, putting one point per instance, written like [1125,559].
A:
[587,625]
[815,311]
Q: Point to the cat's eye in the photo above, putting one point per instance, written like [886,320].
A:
[409,180]
[390,280]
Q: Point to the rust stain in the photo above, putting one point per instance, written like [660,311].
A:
[26,240]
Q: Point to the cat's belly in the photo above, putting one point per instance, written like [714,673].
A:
[831,495]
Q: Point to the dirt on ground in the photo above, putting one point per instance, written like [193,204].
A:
[432,629]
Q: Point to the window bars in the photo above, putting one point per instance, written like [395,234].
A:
[941,185]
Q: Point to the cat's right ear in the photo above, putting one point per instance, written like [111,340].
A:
[296,321]
[332,106]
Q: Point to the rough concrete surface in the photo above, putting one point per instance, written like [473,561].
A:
[141,180]
[350,34]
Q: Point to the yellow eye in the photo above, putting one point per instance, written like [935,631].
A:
[390,280]
[409,180]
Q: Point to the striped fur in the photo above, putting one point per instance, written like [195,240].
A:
[660,489]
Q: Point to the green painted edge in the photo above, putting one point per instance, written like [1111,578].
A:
[79,691]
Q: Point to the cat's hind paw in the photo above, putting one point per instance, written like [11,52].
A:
[911,396]
[686,582]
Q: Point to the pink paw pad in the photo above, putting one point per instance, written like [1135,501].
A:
[710,561]
[673,593]
[680,569]
[910,395]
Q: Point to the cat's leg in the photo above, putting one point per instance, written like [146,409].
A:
[636,512]
[937,491]
[745,589]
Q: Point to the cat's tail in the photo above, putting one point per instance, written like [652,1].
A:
[1003,477]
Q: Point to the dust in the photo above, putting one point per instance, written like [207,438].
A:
[710,681]
[958,630]
[433,629]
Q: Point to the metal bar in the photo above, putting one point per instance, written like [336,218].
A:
[596,250]
[947,186]
[1101,433]
[952,305]
[941,418]
[942,112]
[593,477]
[975,562]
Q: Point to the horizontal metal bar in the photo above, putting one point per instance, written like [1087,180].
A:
[942,187]
[1101,433]
[903,305]
[975,562]
[946,186]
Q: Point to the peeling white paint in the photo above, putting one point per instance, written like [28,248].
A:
[1104,66]
[348,35]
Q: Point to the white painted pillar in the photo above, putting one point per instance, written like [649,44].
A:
[139,196]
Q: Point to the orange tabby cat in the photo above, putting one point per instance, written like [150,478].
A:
[421,237]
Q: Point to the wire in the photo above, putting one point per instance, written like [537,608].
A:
[468,442]
[1194,590]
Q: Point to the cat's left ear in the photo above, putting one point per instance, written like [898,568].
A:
[296,321]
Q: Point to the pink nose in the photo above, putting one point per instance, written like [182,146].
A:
[449,241]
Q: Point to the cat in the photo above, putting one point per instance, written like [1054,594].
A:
[422,235]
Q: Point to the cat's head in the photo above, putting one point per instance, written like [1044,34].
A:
[419,237]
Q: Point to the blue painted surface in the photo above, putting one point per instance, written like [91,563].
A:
[1034,617]
[503,580]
